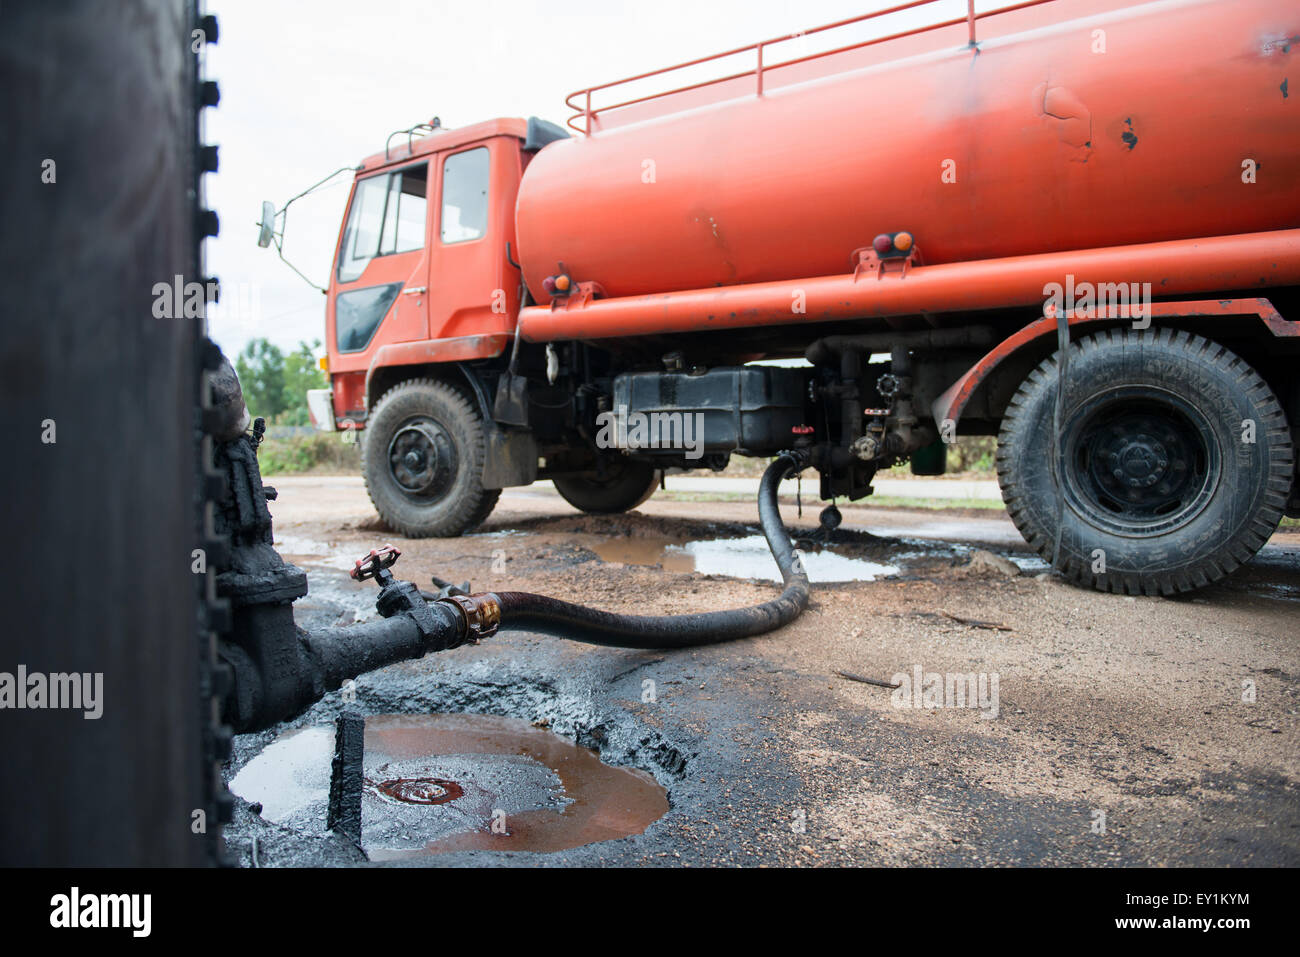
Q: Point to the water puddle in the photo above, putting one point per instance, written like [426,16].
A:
[985,531]
[645,551]
[747,557]
[456,782]
[295,548]
[1275,591]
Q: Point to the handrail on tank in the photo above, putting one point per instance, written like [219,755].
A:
[587,113]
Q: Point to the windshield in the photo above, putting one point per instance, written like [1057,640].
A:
[387,216]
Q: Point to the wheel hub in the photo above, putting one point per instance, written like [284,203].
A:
[422,459]
[1138,461]
[1142,464]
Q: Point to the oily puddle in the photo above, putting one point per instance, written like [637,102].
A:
[747,557]
[456,782]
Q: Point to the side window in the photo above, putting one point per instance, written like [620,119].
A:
[464,196]
[408,192]
[387,216]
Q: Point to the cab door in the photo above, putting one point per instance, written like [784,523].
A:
[379,291]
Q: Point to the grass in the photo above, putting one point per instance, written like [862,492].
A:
[318,453]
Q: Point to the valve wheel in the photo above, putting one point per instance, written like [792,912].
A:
[369,565]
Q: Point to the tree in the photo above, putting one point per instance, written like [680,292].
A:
[301,372]
[261,375]
[275,385]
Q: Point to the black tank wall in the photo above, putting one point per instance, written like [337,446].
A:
[99,526]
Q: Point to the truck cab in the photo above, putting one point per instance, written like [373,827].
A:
[421,306]
[422,270]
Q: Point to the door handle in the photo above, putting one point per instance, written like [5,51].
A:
[414,291]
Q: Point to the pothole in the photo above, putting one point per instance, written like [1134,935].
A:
[456,782]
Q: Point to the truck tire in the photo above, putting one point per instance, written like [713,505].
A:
[422,457]
[1175,456]
[627,485]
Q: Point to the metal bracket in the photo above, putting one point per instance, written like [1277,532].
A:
[583,294]
[867,261]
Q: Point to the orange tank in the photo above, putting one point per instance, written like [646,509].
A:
[1071,125]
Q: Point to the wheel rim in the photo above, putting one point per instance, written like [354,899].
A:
[1139,461]
[422,459]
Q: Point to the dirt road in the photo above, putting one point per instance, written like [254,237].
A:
[1099,729]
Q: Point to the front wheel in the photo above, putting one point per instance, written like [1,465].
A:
[1173,465]
[422,457]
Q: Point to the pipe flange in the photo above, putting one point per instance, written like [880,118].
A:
[482,613]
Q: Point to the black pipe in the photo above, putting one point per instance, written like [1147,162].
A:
[850,402]
[823,351]
[338,654]
[281,670]
[522,611]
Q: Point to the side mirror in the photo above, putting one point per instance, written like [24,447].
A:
[267,225]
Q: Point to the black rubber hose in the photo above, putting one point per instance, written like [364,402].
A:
[551,616]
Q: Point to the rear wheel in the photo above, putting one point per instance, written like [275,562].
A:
[1172,469]
[624,485]
[422,457]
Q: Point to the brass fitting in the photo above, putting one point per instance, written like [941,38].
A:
[482,613]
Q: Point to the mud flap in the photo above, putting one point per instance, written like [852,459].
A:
[511,404]
[511,459]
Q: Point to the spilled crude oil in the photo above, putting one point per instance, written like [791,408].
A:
[456,782]
[418,790]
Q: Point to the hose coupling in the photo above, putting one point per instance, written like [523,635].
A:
[799,458]
[482,614]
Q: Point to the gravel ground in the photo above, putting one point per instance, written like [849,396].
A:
[1172,722]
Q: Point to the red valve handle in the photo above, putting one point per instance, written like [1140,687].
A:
[369,565]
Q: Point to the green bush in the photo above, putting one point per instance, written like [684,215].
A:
[973,453]
[275,384]
[318,452]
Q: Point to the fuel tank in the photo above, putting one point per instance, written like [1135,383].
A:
[1102,128]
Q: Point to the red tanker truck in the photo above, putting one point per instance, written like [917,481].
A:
[1074,225]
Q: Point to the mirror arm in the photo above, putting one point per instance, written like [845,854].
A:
[283,215]
[316,186]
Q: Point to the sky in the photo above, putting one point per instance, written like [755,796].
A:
[307,88]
